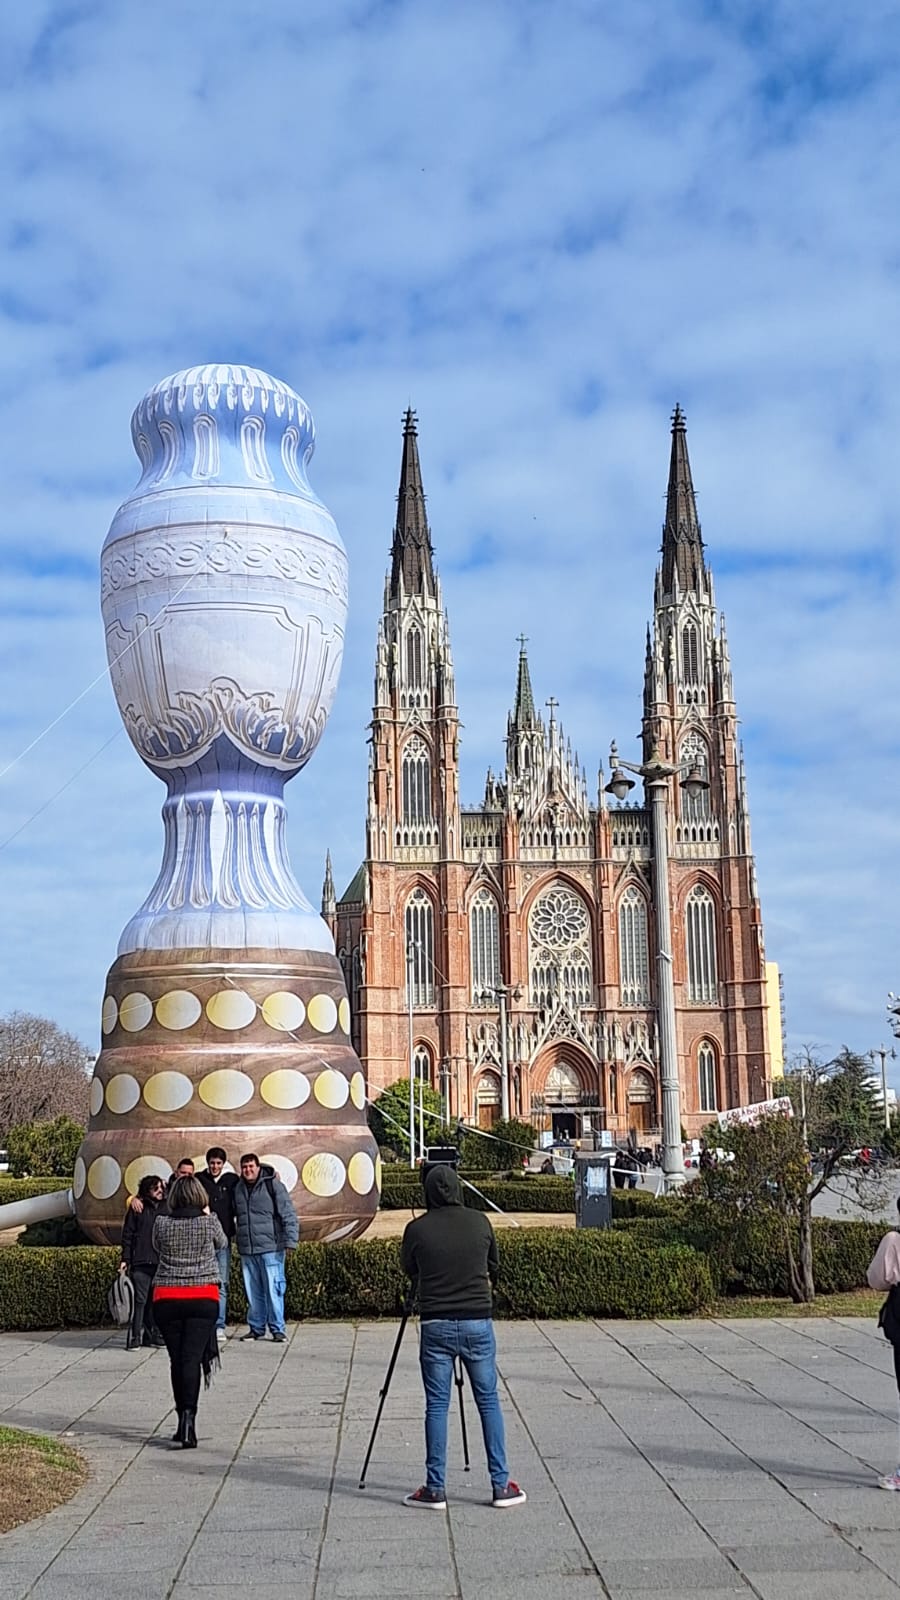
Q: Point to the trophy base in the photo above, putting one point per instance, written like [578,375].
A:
[249,1051]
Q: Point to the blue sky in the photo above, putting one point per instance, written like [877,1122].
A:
[541,225]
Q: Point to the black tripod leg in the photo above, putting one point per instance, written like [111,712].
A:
[458,1374]
[383,1395]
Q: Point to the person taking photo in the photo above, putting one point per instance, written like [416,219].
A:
[450,1256]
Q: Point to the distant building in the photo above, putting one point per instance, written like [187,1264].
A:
[775,1011]
[546,890]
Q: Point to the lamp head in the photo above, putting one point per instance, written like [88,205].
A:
[693,783]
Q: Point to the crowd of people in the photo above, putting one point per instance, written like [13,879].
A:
[177,1241]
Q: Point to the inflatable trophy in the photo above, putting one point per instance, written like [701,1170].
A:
[226,1020]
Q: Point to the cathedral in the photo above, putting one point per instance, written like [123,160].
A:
[509,949]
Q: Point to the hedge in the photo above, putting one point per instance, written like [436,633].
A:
[510,1194]
[750,1256]
[543,1273]
[25,1188]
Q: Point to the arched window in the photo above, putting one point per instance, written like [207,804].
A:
[414,674]
[694,753]
[700,924]
[484,944]
[613,1105]
[559,937]
[634,964]
[416,781]
[690,653]
[706,1071]
[419,928]
[422,1064]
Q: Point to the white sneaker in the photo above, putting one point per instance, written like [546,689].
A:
[221,1335]
[892,1481]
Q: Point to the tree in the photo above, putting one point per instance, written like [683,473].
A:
[389,1117]
[503,1145]
[43,1071]
[782,1163]
[44,1149]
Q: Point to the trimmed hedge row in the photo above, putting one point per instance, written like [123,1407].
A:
[543,1273]
[12,1189]
[510,1194]
[750,1256]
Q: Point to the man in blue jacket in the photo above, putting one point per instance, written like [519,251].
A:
[266,1225]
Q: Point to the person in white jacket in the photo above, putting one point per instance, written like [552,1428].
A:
[884,1274]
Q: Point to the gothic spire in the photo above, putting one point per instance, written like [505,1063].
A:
[523,714]
[328,894]
[682,548]
[411,553]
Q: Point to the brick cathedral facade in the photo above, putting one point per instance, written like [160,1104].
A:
[537,906]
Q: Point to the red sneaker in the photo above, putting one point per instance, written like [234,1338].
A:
[432,1499]
[509,1495]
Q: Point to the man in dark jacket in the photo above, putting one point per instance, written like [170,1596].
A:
[220,1186]
[450,1254]
[266,1226]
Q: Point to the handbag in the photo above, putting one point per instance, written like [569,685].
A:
[120,1300]
[889,1316]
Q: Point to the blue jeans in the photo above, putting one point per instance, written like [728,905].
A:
[223,1257]
[440,1342]
[265,1285]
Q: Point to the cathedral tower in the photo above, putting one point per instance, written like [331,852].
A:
[508,947]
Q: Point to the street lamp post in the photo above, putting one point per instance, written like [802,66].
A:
[657,775]
[412,1063]
[883,1053]
[502,992]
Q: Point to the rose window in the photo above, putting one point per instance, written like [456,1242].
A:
[560,941]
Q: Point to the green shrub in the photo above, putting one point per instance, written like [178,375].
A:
[543,1272]
[62,1232]
[641,1203]
[25,1188]
[748,1255]
[44,1149]
[535,1194]
[589,1273]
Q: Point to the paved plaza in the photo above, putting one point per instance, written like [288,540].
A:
[701,1458]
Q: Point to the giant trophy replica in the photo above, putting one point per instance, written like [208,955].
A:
[226,1020]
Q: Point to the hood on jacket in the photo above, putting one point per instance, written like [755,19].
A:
[443,1188]
[265,1171]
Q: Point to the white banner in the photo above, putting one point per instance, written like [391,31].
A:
[755,1113]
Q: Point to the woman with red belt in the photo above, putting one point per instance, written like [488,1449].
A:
[186,1296]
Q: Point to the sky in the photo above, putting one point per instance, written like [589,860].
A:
[541,225]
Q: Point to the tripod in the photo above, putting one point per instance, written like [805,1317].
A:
[382,1396]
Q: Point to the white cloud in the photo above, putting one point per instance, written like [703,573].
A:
[541,226]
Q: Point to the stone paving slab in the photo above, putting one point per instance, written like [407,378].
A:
[703,1458]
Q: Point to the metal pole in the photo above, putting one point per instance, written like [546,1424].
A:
[673,1154]
[421,1118]
[412,1077]
[504,1055]
[887,1115]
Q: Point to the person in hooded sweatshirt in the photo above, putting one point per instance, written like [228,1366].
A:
[884,1273]
[450,1255]
[266,1226]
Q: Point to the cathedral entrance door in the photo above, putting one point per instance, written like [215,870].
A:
[487,1099]
[565,1125]
[640,1102]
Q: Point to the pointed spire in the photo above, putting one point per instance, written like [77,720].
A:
[329,899]
[682,548]
[411,553]
[523,715]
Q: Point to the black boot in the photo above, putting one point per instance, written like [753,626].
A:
[188,1431]
[178,1435]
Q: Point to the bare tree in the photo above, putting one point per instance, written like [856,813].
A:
[44,1072]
